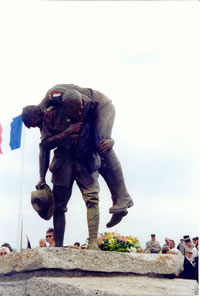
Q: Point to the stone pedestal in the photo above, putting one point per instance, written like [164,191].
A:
[66,271]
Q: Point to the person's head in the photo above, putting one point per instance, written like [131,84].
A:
[73,104]
[167,240]
[153,237]
[171,244]
[77,244]
[181,240]
[50,236]
[165,250]
[4,251]
[195,241]
[42,243]
[32,116]
[188,253]
[188,242]
[8,246]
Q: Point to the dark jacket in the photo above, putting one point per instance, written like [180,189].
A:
[189,270]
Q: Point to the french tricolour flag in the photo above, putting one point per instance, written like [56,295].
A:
[10,134]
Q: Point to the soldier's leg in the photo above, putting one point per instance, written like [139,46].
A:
[90,195]
[61,195]
[111,169]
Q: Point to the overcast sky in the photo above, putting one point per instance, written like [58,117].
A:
[145,57]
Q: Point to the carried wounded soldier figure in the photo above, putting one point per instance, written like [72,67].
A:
[81,103]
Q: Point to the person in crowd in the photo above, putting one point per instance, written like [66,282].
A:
[42,243]
[77,245]
[180,246]
[172,248]
[196,269]
[188,243]
[8,246]
[185,238]
[50,237]
[4,251]
[166,244]
[195,241]
[165,250]
[195,250]
[153,246]
[189,266]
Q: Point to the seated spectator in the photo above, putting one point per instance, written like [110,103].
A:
[77,245]
[189,266]
[50,237]
[8,246]
[172,248]
[140,250]
[153,246]
[165,250]
[180,246]
[4,251]
[42,243]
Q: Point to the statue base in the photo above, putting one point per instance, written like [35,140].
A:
[67,271]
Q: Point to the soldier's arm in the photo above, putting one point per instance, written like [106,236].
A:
[58,140]
[44,157]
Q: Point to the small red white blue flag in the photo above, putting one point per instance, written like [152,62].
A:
[10,134]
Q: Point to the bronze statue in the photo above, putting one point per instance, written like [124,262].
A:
[78,121]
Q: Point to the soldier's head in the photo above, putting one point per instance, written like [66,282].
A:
[73,104]
[32,116]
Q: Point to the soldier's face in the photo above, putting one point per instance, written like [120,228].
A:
[75,110]
[35,121]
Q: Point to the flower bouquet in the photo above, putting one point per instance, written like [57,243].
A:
[110,241]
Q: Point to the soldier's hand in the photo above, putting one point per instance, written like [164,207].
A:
[40,185]
[105,145]
[76,127]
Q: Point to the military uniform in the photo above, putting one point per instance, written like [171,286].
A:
[78,162]
[102,116]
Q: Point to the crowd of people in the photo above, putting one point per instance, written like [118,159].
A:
[187,249]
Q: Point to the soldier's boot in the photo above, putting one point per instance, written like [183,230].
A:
[93,226]
[112,173]
[116,218]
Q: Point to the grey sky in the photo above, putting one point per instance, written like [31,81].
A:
[145,57]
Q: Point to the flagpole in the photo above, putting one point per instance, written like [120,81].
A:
[21,238]
[20,220]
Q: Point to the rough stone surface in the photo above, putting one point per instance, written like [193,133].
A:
[70,272]
[68,259]
[103,286]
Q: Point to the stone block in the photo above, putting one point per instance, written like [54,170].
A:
[68,259]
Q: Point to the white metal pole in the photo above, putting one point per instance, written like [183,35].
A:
[20,220]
